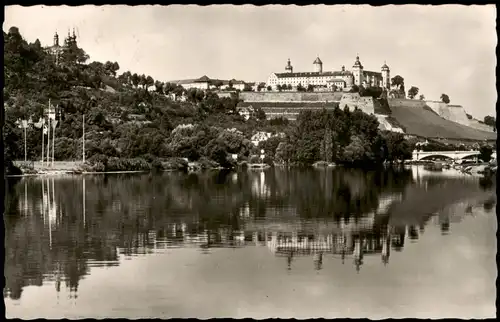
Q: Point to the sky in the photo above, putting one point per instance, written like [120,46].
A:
[439,49]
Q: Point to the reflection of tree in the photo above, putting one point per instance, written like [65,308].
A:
[134,214]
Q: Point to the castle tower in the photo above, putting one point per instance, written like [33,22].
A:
[357,71]
[289,67]
[386,76]
[318,65]
[56,39]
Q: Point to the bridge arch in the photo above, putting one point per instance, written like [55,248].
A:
[472,153]
[456,155]
[430,156]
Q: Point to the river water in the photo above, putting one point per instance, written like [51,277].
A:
[273,243]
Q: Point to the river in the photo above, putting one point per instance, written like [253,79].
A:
[264,243]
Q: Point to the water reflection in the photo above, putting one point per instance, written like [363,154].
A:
[57,229]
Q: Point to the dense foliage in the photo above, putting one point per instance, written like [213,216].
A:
[135,122]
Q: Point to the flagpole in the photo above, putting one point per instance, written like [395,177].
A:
[25,159]
[53,141]
[48,135]
[83,139]
[48,141]
[43,134]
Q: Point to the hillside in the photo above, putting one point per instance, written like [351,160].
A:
[422,121]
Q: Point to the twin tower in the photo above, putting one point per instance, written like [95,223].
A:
[359,74]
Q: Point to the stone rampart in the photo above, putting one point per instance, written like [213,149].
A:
[290,96]
[353,100]
[402,102]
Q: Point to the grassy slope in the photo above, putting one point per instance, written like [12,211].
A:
[426,123]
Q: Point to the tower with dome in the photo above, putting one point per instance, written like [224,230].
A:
[56,49]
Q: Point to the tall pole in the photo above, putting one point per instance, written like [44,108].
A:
[53,140]
[48,141]
[43,134]
[83,194]
[83,139]
[25,158]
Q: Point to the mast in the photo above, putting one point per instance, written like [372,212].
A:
[43,139]
[83,139]
[48,136]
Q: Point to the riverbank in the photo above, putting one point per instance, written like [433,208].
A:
[178,164]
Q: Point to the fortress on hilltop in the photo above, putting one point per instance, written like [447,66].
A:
[340,80]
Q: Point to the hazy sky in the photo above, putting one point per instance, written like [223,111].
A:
[440,49]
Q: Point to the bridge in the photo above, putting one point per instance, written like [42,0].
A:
[455,155]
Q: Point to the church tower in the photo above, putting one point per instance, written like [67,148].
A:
[318,65]
[289,67]
[56,39]
[357,71]
[386,76]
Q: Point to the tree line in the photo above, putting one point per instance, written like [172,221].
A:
[132,127]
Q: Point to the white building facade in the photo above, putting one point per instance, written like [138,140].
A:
[341,80]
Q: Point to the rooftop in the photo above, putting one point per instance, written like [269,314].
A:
[317,61]
[312,74]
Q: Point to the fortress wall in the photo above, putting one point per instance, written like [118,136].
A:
[435,105]
[290,96]
[352,100]
[402,102]
[457,114]
[454,113]
[480,126]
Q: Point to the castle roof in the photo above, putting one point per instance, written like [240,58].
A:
[317,61]
[357,63]
[385,67]
[312,74]
[370,73]
[203,79]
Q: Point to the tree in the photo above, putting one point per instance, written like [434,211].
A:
[159,87]
[278,87]
[412,92]
[398,82]
[115,68]
[490,120]
[149,81]
[310,88]
[485,153]
[289,87]
[445,98]
[396,147]
[354,89]
[135,80]
[300,88]
[326,149]
[143,80]
[260,114]
[247,88]
[218,83]
[269,88]
[421,97]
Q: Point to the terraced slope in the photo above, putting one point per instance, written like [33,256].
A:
[426,123]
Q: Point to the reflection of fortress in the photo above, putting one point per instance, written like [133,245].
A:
[66,238]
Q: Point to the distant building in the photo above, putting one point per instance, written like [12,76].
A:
[56,49]
[342,80]
[205,83]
